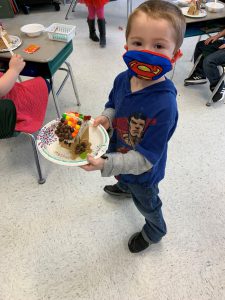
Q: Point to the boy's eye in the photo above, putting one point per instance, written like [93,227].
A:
[158,46]
[137,43]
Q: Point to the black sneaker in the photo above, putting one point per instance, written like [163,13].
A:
[116,191]
[195,78]
[137,243]
[219,96]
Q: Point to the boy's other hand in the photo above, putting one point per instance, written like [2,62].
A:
[16,63]
[93,164]
[102,120]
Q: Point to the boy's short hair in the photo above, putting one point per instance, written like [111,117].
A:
[159,9]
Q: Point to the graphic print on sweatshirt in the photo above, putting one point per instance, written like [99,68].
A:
[131,130]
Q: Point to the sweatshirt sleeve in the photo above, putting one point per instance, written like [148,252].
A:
[109,113]
[128,163]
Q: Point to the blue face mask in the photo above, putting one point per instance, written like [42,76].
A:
[146,64]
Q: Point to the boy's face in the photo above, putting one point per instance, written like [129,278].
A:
[155,35]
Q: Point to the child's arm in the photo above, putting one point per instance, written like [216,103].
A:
[118,163]
[221,33]
[7,81]
[214,38]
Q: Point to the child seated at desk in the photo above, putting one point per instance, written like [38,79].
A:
[213,55]
[29,97]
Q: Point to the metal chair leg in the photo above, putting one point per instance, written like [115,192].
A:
[41,180]
[216,88]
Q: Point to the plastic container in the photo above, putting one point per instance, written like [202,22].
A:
[214,7]
[61,32]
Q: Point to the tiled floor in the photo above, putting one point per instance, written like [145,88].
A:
[67,240]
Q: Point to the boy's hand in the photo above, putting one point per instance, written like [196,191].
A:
[103,121]
[16,63]
[94,164]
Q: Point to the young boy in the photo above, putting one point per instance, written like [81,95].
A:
[213,55]
[142,111]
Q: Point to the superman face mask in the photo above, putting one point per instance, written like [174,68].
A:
[146,64]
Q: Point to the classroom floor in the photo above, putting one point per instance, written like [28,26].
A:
[67,239]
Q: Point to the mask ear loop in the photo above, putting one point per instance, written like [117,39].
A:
[176,56]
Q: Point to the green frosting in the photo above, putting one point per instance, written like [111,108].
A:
[83,155]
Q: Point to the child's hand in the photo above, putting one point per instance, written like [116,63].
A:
[94,164]
[103,121]
[222,46]
[16,63]
[211,39]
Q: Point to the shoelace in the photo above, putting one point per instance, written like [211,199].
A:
[222,91]
[197,77]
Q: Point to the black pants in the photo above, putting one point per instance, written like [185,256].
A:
[211,59]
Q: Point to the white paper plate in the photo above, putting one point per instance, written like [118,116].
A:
[48,144]
[16,42]
[201,14]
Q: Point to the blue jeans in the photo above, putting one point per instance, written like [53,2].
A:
[149,204]
[212,58]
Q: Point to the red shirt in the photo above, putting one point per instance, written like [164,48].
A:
[30,98]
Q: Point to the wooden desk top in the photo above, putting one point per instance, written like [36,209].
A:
[210,16]
[48,49]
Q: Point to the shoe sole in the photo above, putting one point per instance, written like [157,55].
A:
[126,195]
[194,83]
[220,100]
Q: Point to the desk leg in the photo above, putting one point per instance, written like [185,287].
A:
[55,98]
[73,82]
[69,72]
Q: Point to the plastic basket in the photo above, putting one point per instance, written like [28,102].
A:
[61,32]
